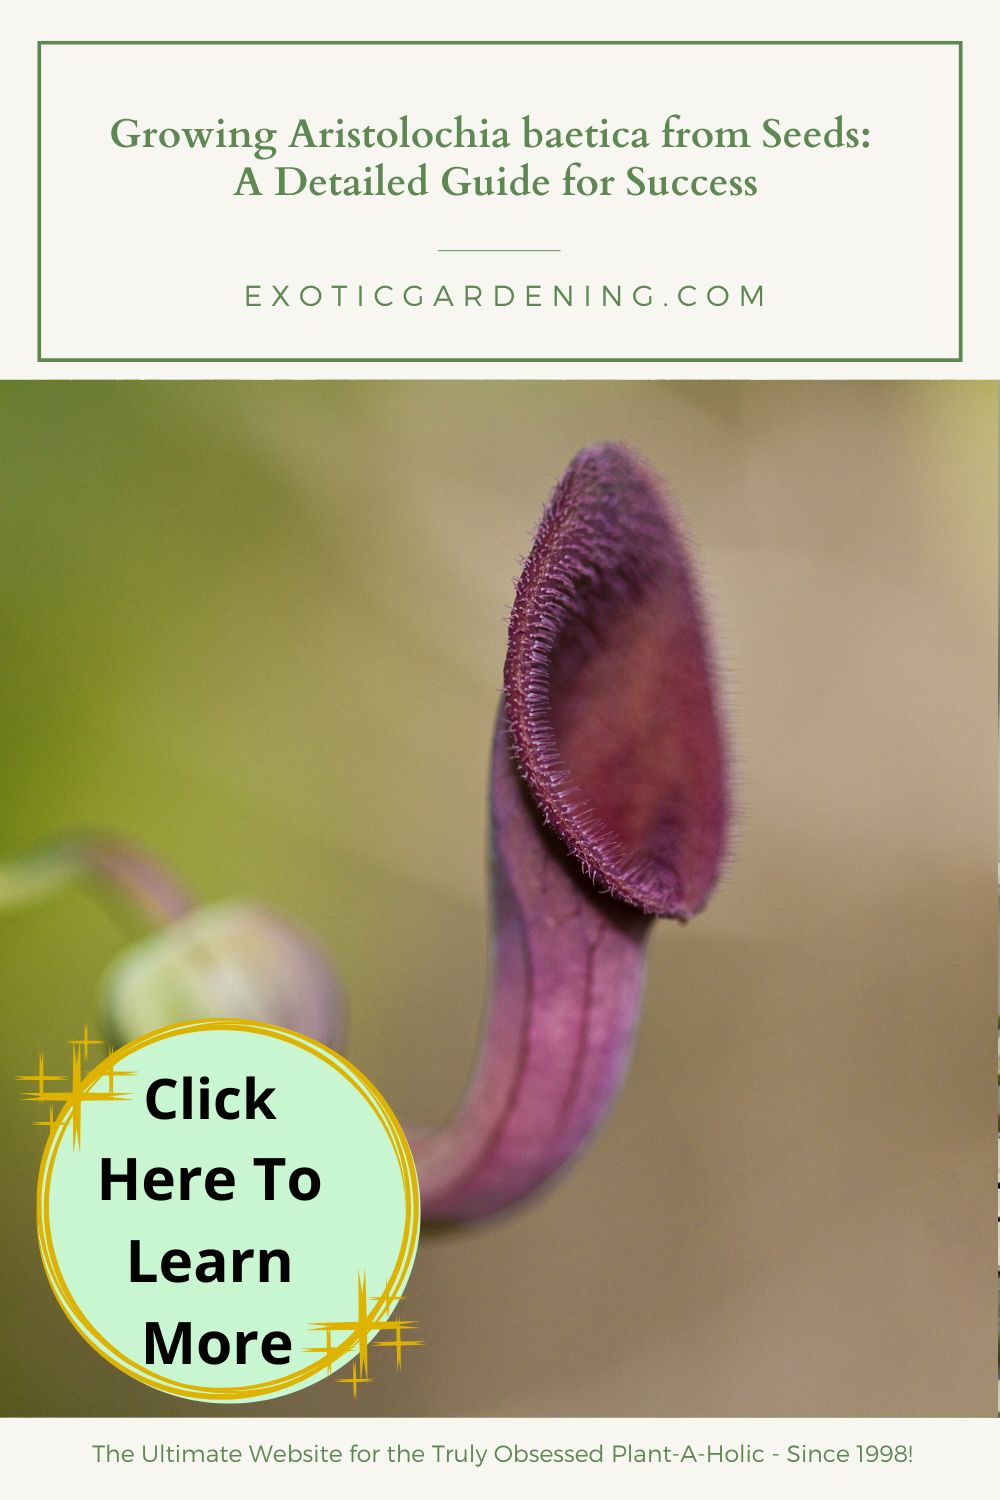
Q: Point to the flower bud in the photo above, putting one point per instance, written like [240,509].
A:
[230,960]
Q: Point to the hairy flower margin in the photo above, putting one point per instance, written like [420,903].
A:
[609,807]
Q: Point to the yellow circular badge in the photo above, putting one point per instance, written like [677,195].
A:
[228,1212]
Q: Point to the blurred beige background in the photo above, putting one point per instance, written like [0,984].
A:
[260,627]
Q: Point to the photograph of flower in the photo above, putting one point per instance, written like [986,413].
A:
[398,713]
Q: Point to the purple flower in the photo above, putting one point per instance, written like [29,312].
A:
[609,804]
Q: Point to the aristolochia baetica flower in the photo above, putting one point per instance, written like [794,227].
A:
[609,806]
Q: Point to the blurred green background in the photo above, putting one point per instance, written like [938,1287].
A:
[259,627]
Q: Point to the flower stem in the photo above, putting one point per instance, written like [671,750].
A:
[114,865]
[569,964]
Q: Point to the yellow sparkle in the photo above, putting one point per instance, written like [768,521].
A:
[354,1380]
[75,1096]
[361,1330]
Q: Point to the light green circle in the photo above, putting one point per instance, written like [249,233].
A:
[349,1248]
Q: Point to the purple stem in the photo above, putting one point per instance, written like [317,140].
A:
[131,872]
[114,866]
[568,973]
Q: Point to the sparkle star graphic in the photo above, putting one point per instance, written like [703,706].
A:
[361,1330]
[76,1095]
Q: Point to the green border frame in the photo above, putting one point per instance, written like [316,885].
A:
[534,359]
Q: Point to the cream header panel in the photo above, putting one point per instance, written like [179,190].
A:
[483,205]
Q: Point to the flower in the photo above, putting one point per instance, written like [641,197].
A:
[610,805]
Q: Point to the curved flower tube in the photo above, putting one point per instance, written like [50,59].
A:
[568,971]
[609,806]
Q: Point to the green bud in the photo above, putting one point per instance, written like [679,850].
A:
[232,961]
